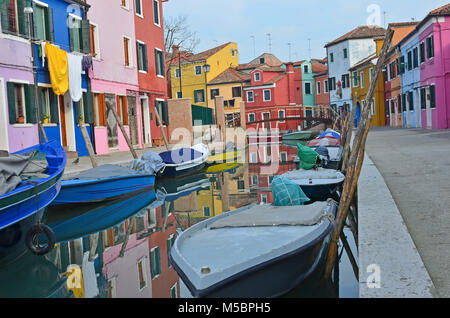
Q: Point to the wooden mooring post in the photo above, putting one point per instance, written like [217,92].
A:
[356,159]
[87,141]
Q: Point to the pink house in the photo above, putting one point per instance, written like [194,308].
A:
[434,57]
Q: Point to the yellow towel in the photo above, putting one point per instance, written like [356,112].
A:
[57,66]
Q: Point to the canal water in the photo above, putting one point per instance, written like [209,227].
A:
[120,248]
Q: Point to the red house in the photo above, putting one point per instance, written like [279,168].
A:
[321,85]
[274,92]
[151,68]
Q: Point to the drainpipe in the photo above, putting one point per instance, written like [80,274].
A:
[443,76]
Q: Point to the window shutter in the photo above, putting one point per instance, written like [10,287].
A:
[11,103]
[85,36]
[161,61]
[88,107]
[158,261]
[77,111]
[30,106]
[432,97]
[23,18]
[165,111]
[71,38]
[49,26]
[4,15]
[41,106]
[144,57]
[54,114]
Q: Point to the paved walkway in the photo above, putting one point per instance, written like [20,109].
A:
[415,164]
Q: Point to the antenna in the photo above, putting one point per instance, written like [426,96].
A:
[289,45]
[270,42]
[384,18]
[254,47]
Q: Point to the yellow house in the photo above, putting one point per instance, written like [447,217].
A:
[197,70]
[229,84]
[362,74]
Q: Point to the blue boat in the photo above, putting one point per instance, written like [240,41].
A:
[75,222]
[254,251]
[24,206]
[104,182]
[184,161]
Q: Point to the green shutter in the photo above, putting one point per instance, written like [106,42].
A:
[54,114]
[144,57]
[88,107]
[71,39]
[432,97]
[158,261]
[77,111]
[85,36]
[11,103]
[30,104]
[41,105]
[165,113]
[4,15]
[23,17]
[49,27]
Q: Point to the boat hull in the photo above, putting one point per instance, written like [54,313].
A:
[321,192]
[303,135]
[90,191]
[180,171]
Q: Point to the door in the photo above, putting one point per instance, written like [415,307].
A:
[418,110]
[145,111]
[111,122]
[132,119]
[428,107]
[266,125]
[62,121]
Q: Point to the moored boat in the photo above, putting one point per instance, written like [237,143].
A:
[184,161]
[254,251]
[331,156]
[298,135]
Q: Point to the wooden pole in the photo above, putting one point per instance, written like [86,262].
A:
[127,236]
[356,159]
[348,137]
[350,255]
[124,133]
[93,239]
[43,132]
[158,118]
[87,141]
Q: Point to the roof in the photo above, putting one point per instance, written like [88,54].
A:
[267,68]
[230,75]
[361,32]
[364,61]
[321,74]
[444,10]
[203,55]
[299,63]
[318,67]
[275,79]
[269,59]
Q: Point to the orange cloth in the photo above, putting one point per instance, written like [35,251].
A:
[57,66]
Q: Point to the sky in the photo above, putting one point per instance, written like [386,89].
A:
[306,24]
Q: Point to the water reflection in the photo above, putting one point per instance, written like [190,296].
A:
[120,248]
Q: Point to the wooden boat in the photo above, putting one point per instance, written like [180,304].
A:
[298,135]
[324,142]
[104,182]
[254,251]
[183,186]
[228,156]
[75,222]
[334,159]
[318,185]
[222,167]
[184,161]
[24,206]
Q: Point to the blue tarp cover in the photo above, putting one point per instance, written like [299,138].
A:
[181,155]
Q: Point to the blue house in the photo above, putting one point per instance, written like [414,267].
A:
[63,24]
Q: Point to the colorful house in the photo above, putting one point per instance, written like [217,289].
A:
[274,93]
[392,77]
[362,74]
[18,123]
[197,70]
[344,53]
[321,85]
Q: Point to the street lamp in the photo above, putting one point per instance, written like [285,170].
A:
[206,69]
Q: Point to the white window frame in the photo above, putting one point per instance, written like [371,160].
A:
[144,272]
[22,90]
[130,52]
[152,220]
[137,56]
[195,70]
[325,86]
[127,5]
[253,157]
[253,97]
[264,95]
[151,250]
[172,288]
[40,4]
[353,79]
[141,15]
[361,79]
[310,88]
[159,13]
[307,69]
[259,77]
[281,155]
[96,41]
[318,88]
[163,63]
[284,115]
[253,179]
[248,116]
[263,198]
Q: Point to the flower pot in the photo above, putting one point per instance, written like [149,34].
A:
[45,120]
[20,120]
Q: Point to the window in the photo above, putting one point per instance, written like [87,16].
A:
[411,101]
[236,91]
[423,98]
[251,117]
[283,157]
[179,94]
[345,53]
[410,63]
[432,96]
[14,19]
[151,218]
[48,105]
[250,97]
[325,86]
[355,79]
[95,45]
[331,83]
[214,93]
[281,114]
[142,274]
[138,8]
[142,56]
[318,88]
[370,75]
[267,95]
[21,105]
[430,47]
[345,81]
[254,179]
[79,34]
[422,52]
[173,291]
[161,106]
[402,64]
[43,21]
[125,4]
[331,57]
[306,68]
[170,242]
[199,96]
[264,198]
[155,262]
[122,109]
[404,102]
[386,107]
[126,51]
[177,73]
[253,157]
[307,88]
[156,18]
[198,70]
[241,185]
[361,75]
[159,62]
[99,110]
[206,211]
[261,60]
[415,58]
[372,106]
[257,77]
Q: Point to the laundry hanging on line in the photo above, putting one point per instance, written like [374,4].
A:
[74,66]
[58,68]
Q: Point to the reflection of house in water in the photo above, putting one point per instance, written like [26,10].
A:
[265,162]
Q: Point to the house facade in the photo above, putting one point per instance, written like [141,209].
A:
[344,53]
[321,88]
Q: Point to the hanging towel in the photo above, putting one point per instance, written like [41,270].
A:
[87,63]
[74,65]
[57,66]
[42,51]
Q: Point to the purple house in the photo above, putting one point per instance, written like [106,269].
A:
[434,58]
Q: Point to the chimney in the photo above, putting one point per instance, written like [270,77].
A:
[175,50]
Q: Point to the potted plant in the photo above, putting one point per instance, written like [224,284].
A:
[46,119]
[80,119]
[20,119]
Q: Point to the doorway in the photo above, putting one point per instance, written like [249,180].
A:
[132,120]
[111,122]
[62,121]
[145,114]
